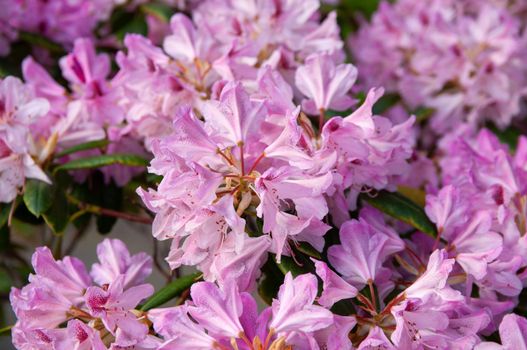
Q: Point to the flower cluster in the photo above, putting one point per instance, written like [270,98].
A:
[270,172]
[19,109]
[224,318]
[481,212]
[220,172]
[62,21]
[62,307]
[463,59]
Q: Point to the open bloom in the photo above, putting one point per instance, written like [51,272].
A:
[442,55]
[62,291]
[224,318]
[19,109]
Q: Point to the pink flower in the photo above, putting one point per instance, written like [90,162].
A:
[363,250]
[62,291]
[376,339]
[185,43]
[434,314]
[19,109]
[87,71]
[325,84]
[442,55]
[513,330]
[115,260]
[225,316]
[113,305]
[78,336]
[335,288]
[285,190]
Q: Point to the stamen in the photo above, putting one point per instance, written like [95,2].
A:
[262,156]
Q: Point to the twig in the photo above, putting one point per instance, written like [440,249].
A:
[157,265]
[78,234]
[94,209]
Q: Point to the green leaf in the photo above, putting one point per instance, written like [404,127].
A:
[270,282]
[41,41]
[5,208]
[366,7]
[386,102]
[83,147]
[509,136]
[403,209]
[416,195]
[301,266]
[57,216]
[103,160]
[123,22]
[160,11]
[309,250]
[5,282]
[423,113]
[38,196]
[170,291]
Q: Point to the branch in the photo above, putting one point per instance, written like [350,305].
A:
[94,209]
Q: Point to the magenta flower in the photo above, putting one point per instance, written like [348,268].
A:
[363,250]
[224,318]
[335,288]
[433,314]
[442,55]
[19,109]
[113,305]
[513,330]
[115,260]
[97,316]
[87,71]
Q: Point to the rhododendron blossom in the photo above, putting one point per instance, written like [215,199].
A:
[288,191]
[460,58]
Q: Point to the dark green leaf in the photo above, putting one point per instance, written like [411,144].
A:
[521,309]
[5,282]
[10,64]
[401,208]
[83,147]
[41,41]
[423,113]
[301,266]
[366,7]
[386,102]
[169,292]
[38,196]
[344,308]
[103,160]
[509,136]
[270,282]
[5,208]
[57,216]
[160,11]
[308,249]
[24,215]
[130,23]
[153,178]
[112,198]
